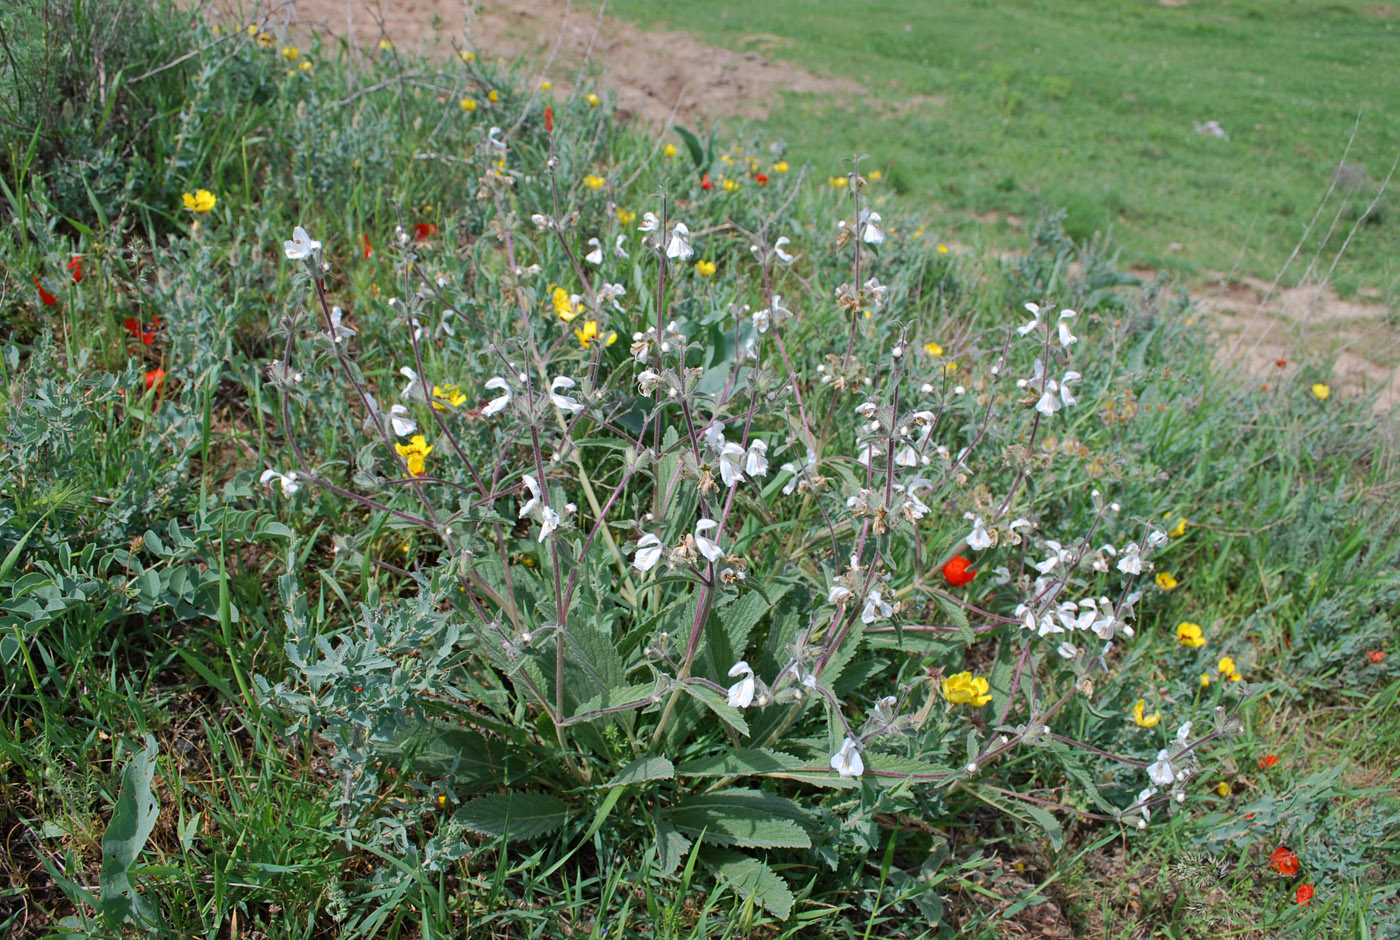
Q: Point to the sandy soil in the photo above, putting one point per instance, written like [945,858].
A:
[663,76]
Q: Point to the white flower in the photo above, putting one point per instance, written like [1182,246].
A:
[1130,562]
[414,388]
[978,540]
[709,549]
[1162,773]
[650,222]
[494,140]
[596,255]
[1183,734]
[907,456]
[678,244]
[838,593]
[773,313]
[563,402]
[846,761]
[648,552]
[729,457]
[1068,650]
[1036,312]
[618,249]
[877,291]
[714,434]
[875,608]
[756,460]
[1066,337]
[338,331]
[288,481]
[498,404]
[869,224]
[533,486]
[1142,798]
[741,692]
[301,246]
[799,473]
[608,294]
[783,256]
[647,381]
[549,521]
[402,421]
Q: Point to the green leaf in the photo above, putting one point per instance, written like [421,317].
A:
[513,816]
[753,880]
[671,847]
[721,707]
[692,144]
[905,767]
[643,769]
[748,818]
[746,762]
[133,820]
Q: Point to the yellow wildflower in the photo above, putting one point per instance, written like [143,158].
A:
[731,185]
[467,104]
[1320,391]
[950,367]
[592,99]
[290,53]
[1236,677]
[1179,529]
[252,29]
[589,333]
[305,66]
[1223,789]
[564,305]
[1205,680]
[837,181]
[415,454]
[1166,581]
[546,85]
[448,396]
[933,349]
[668,151]
[201,201]
[1190,634]
[726,159]
[265,41]
[780,167]
[1143,720]
[942,249]
[1225,666]
[593,182]
[874,176]
[385,45]
[965,689]
[704,268]
[626,218]
[492,97]
[467,55]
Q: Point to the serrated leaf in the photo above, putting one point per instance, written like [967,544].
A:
[921,771]
[626,695]
[133,820]
[753,880]
[513,816]
[749,761]
[671,847]
[642,770]
[748,818]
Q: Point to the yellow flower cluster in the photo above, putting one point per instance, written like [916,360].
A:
[1142,719]
[1226,667]
[564,305]
[415,454]
[448,396]
[589,334]
[966,689]
[202,200]
[593,182]
[1166,581]
[1190,634]
[704,268]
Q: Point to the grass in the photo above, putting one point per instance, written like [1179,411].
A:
[149,592]
[1003,109]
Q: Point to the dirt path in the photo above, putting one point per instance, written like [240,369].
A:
[659,76]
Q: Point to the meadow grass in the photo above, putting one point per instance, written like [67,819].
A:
[143,579]
[993,110]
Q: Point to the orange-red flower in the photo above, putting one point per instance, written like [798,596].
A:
[549,119]
[424,231]
[706,183]
[761,179]
[49,300]
[958,571]
[75,265]
[1267,761]
[1304,894]
[1375,656]
[155,379]
[366,246]
[1280,362]
[1284,861]
[146,336]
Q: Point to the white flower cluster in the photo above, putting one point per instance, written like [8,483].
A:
[1174,766]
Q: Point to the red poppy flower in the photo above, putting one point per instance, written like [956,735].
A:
[1267,761]
[1304,894]
[424,231]
[957,572]
[549,120]
[75,264]
[49,300]
[364,243]
[155,379]
[1284,861]
[1280,362]
[1375,656]
[761,179]
[133,326]
[706,183]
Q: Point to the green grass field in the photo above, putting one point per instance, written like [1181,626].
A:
[1014,106]
[431,688]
